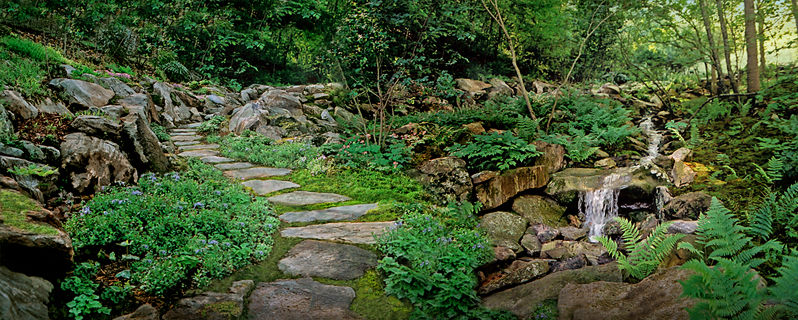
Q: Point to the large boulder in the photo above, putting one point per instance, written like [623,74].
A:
[16,104]
[500,88]
[162,93]
[274,100]
[96,126]
[6,127]
[189,99]
[682,175]
[28,244]
[688,206]
[143,101]
[553,156]
[447,179]
[144,312]
[142,144]
[473,87]
[249,117]
[564,250]
[505,229]
[48,106]
[23,297]
[213,305]
[520,272]
[117,86]
[85,94]
[523,300]
[635,183]
[656,297]
[497,190]
[301,299]
[540,210]
[94,163]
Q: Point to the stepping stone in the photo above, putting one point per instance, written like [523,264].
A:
[256,172]
[216,159]
[184,130]
[234,166]
[304,198]
[311,258]
[190,125]
[186,143]
[301,299]
[199,153]
[186,138]
[177,134]
[262,187]
[199,147]
[352,232]
[331,214]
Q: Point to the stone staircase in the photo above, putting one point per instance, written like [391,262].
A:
[326,253]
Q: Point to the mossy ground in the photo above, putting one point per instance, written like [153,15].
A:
[13,206]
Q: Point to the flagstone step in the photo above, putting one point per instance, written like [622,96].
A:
[178,134]
[199,153]
[186,143]
[186,138]
[256,172]
[234,166]
[216,159]
[263,187]
[330,214]
[199,147]
[190,125]
[304,198]
[352,232]
[312,258]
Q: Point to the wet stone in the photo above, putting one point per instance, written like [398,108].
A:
[263,187]
[216,159]
[256,172]
[352,232]
[186,138]
[311,258]
[331,214]
[185,143]
[304,198]
[199,153]
[234,166]
[199,147]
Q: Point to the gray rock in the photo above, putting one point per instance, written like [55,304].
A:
[215,159]
[48,106]
[11,151]
[543,232]
[202,307]
[636,183]
[503,254]
[256,173]
[684,227]
[199,147]
[681,174]
[523,300]
[175,109]
[272,132]
[186,138]
[94,163]
[531,244]
[96,126]
[199,153]
[564,250]
[23,297]
[273,99]
[331,214]
[500,88]
[527,271]
[311,258]
[186,143]
[263,187]
[577,262]
[17,106]
[573,233]
[195,114]
[505,229]
[67,69]
[499,189]
[114,112]
[352,232]
[144,101]
[144,312]
[234,166]
[313,89]
[121,89]
[540,210]
[249,95]
[447,179]
[32,151]
[191,125]
[141,143]
[301,299]
[83,93]
[472,86]
[688,206]
[303,198]
[6,127]
[249,117]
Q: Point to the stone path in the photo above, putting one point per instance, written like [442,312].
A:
[327,253]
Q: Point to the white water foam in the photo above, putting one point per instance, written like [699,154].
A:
[600,206]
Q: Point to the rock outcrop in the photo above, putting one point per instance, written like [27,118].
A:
[447,179]
[82,93]
[94,163]
[497,190]
[23,297]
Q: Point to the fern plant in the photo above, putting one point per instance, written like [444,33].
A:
[784,289]
[495,151]
[777,215]
[728,290]
[644,255]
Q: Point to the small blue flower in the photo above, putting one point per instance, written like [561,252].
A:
[153,178]
[227,244]
[203,241]
[242,224]
[136,193]
[105,213]
[163,251]
[225,206]
[180,207]
[145,247]
[197,251]
[218,193]
[85,210]
[148,261]
[260,252]
[213,242]
[269,225]
[198,205]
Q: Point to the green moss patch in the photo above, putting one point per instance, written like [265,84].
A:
[229,309]
[14,205]
[371,302]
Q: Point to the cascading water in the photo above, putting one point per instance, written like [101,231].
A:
[654,139]
[600,206]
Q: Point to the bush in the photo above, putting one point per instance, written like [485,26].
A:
[160,132]
[256,148]
[22,74]
[179,228]
[495,152]
[355,152]
[33,50]
[212,126]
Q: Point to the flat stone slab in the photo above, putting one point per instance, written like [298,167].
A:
[303,198]
[216,159]
[331,214]
[234,166]
[199,147]
[262,187]
[301,299]
[186,143]
[352,232]
[190,125]
[184,130]
[186,138]
[256,172]
[311,258]
[199,153]
[178,134]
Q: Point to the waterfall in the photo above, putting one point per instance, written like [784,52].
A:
[600,206]
[654,139]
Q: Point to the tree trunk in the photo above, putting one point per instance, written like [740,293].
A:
[726,49]
[751,46]
[761,37]
[795,13]
[714,57]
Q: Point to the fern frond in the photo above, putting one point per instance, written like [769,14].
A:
[761,220]
[784,288]
[643,256]
[763,173]
[775,168]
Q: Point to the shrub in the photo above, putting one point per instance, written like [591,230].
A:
[160,132]
[22,74]
[212,126]
[495,151]
[355,152]
[179,228]
[256,148]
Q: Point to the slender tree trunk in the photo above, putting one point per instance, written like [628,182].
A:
[751,46]
[795,13]
[714,57]
[726,49]
[761,37]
